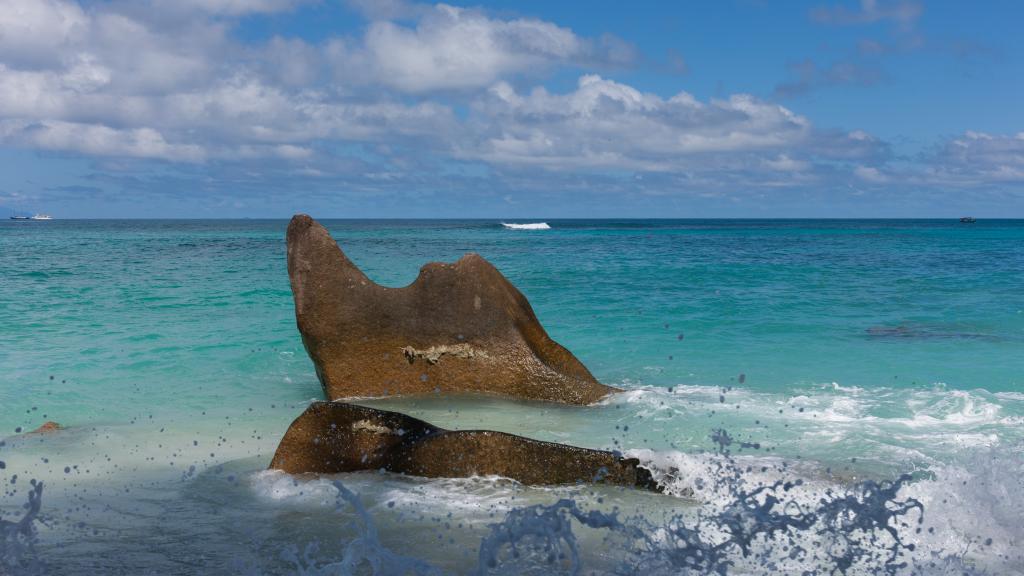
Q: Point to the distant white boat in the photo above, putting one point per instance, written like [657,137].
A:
[532,226]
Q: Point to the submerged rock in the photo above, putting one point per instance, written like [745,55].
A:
[332,437]
[49,426]
[924,332]
[459,327]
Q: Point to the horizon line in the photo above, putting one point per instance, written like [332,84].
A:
[499,219]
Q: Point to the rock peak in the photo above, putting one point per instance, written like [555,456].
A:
[460,327]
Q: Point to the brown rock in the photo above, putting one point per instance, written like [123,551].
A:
[47,427]
[459,327]
[332,437]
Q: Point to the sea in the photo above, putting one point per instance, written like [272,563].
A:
[815,396]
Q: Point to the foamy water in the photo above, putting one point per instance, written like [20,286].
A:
[788,434]
[527,226]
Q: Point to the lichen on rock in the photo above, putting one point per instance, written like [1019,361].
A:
[433,354]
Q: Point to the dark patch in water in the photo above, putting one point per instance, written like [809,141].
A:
[916,332]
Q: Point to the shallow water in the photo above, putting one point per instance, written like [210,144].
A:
[846,351]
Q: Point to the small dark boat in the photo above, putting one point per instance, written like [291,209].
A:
[968,220]
[21,217]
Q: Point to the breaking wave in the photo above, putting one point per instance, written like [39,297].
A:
[530,226]
[756,515]
[886,425]
[816,479]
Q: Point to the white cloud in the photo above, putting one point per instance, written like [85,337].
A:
[609,125]
[37,32]
[977,158]
[229,7]
[99,140]
[121,81]
[449,48]
[783,163]
[456,48]
[123,86]
[123,70]
[870,174]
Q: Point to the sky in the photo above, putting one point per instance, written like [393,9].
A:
[529,109]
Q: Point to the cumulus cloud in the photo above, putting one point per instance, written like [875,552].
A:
[608,124]
[604,125]
[424,96]
[450,48]
[979,158]
[108,83]
[455,48]
[38,33]
[99,140]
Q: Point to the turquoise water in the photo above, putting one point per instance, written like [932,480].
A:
[846,349]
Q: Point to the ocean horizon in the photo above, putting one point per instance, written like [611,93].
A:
[500,219]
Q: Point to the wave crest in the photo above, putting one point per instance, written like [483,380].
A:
[530,226]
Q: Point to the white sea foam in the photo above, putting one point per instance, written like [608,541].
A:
[475,498]
[529,226]
[1014,396]
[699,475]
[826,423]
[961,519]
[275,486]
[851,389]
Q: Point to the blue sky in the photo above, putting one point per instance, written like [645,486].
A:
[746,108]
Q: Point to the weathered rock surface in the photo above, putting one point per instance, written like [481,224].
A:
[459,327]
[48,426]
[332,437]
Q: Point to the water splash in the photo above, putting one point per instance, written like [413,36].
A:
[747,522]
[18,538]
[364,554]
[782,526]
[539,539]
